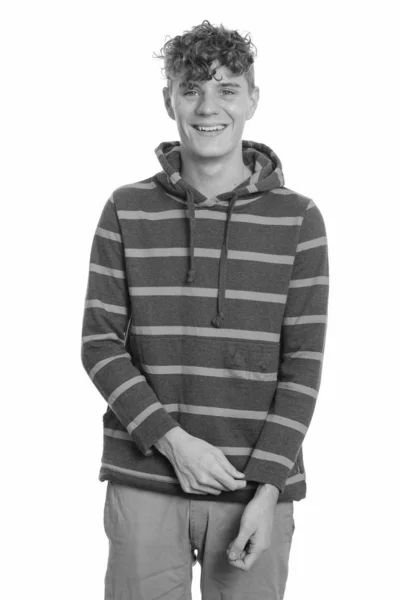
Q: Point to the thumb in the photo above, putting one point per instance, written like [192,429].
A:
[237,546]
[232,470]
[228,466]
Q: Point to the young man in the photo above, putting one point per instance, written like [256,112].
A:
[204,330]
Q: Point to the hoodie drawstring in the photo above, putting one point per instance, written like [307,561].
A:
[192,234]
[218,320]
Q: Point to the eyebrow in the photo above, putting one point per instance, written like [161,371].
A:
[236,85]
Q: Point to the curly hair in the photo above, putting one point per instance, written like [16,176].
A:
[191,54]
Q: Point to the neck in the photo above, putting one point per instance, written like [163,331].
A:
[213,176]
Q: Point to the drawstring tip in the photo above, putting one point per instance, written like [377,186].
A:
[190,276]
[218,320]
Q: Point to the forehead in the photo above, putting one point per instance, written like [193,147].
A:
[222,77]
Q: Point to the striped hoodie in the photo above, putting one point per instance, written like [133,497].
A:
[208,314]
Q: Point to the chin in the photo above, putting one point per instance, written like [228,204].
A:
[210,150]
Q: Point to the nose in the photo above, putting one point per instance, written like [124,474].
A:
[206,104]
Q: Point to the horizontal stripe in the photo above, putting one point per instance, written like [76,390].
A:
[110,235]
[295,479]
[106,361]
[125,386]
[123,435]
[287,423]
[305,320]
[231,413]
[239,334]
[281,192]
[133,473]
[297,387]
[281,259]
[107,271]
[116,433]
[315,243]
[99,337]
[309,281]
[208,372]
[163,215]
[206,293]
[138,420]
[151,185]
[214,412]
[166,479]
[112,308]
[210,411]
[278,458]
[304,354]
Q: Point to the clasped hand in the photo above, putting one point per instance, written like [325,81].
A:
[254,536]
[204,469]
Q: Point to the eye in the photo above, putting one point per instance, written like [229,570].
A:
[229,92]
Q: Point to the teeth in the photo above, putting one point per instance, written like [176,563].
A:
[218,128]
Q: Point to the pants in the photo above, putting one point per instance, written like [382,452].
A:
[152,541]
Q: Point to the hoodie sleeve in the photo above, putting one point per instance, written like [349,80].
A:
[302,348]
[103,353]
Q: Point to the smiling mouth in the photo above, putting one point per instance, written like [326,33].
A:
[210,130]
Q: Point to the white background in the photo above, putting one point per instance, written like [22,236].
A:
[82,112]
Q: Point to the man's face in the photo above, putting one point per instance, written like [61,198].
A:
[224,100]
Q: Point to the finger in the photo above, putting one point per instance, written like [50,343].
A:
[241,556]
[195,487]
[208,489]
[238,562]
[240,484]
[245,561]
[230,468]
[234,484]
[227,479]
[250,559]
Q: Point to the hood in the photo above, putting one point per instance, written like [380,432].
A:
[266,175]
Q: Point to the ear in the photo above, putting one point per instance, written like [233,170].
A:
[168,103]
[254,98]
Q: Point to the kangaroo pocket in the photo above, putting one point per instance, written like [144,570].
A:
[253,370]
[191,367]
[218,389]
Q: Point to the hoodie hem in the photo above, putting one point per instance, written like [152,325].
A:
[115,474]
